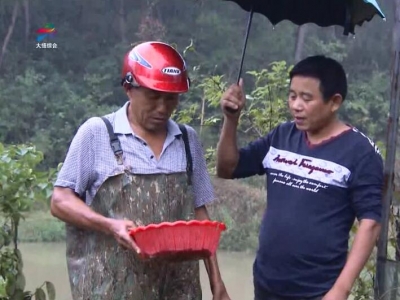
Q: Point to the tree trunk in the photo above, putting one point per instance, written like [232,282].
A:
[9,32]
[203,109]
[301,32]
[27,22]
[395,210]
[122,21]
[396,48]
[396,26]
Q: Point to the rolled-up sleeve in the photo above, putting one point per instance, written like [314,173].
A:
[76,171]
[366,186]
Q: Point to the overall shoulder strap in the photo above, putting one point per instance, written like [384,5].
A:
[114,141]
[189,160]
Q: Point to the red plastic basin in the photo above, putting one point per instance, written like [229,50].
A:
[180,240]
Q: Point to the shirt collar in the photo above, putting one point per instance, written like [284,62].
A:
[122,126]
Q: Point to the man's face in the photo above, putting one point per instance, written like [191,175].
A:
[152,109]
[307,106]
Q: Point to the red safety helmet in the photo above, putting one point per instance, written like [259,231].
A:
[156,66]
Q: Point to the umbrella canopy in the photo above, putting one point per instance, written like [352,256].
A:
[346,13]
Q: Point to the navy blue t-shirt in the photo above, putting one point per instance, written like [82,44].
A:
[314,194]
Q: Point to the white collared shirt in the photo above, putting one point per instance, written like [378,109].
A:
[90,160]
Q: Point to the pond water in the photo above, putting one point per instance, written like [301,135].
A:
[47,262]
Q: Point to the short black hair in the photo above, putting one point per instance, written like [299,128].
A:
[328,71]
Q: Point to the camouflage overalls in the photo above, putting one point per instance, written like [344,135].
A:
[100,269]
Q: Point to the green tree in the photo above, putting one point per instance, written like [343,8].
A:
[20,186]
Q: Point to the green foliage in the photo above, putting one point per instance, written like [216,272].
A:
[20,186]
[332,48]
[239,237]
[267,102]
[55,114]
[40,226]
[240,206]
[369,100]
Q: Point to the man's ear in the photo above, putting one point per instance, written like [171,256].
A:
[336,101]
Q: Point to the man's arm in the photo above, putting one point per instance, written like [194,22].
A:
[203,194]
[66,206]
[72,182]
[211,264]
[74,179]
[361,249]
[367,188]
[233,162]
[227,150]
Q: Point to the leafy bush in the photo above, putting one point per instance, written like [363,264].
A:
[20,186]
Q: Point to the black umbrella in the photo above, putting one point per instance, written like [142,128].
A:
[345,13]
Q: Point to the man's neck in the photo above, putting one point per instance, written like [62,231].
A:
[332,129]
[142,132]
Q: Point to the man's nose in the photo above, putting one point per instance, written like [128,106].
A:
[162,105]
[297,104]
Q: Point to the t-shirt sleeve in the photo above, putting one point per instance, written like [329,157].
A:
[251,158]
[76,171]
[203,190]
[366,187]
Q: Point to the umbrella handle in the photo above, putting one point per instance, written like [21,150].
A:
[243,51]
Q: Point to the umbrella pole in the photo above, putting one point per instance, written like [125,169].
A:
[245,42]
[231,110]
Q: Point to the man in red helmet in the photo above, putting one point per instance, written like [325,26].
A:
[134,167]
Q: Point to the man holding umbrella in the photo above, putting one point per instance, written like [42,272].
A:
[134,167]
[321,175]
